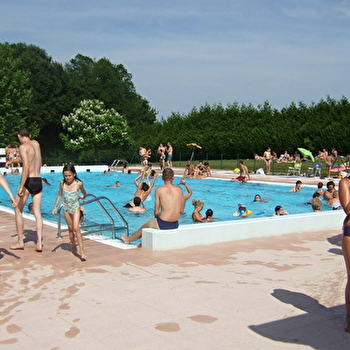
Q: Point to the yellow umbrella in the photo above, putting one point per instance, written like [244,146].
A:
[193,146]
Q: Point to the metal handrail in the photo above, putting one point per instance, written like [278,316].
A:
[102,227]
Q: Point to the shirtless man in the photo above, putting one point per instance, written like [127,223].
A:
[329,163]
[328,194]
[167,207]
[268,159]
[243,174]
[189,170]
[170,150]
[161,152]
[31,184]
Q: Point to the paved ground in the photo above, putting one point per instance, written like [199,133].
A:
[269,293]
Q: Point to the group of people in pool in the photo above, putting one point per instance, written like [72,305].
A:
[144,189]
[330,195]
[244,212]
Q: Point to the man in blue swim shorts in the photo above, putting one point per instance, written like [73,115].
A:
[170,151]
[167,207]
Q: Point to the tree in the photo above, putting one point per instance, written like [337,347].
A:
[15,95]
[112,84]
[47,80]
[92,126]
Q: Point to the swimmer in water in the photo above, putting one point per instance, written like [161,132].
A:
[279,211]
[209,216]
[198,206]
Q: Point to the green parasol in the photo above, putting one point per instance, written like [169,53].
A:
[305,153]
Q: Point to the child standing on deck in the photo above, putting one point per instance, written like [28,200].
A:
[69,189]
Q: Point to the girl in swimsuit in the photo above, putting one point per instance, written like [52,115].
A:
[69,189]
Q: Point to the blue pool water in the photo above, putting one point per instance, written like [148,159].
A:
[222,196]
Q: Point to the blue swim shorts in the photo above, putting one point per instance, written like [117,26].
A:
[167,225]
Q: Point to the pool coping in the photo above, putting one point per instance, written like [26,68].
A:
[227,231]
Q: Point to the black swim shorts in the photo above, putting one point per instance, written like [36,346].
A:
[34,185]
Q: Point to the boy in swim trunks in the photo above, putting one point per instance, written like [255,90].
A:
[170,151]
[31,184]
[167,207]
[243,173]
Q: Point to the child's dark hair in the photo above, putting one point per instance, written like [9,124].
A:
[278,208]
[209,212]
[70,167]
[137,201]
[144,186]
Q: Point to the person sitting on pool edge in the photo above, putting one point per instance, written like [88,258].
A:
[167,207]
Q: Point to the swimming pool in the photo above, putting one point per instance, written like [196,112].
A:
[222,196]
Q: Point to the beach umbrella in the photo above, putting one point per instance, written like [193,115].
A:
[306,153]
[193,146]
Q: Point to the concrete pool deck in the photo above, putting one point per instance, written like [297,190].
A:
[280,292]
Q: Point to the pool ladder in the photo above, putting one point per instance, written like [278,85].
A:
[98,228]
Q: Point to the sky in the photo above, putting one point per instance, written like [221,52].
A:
[183,54]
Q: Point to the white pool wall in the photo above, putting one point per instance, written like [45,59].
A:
[216,232]
[58,169]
